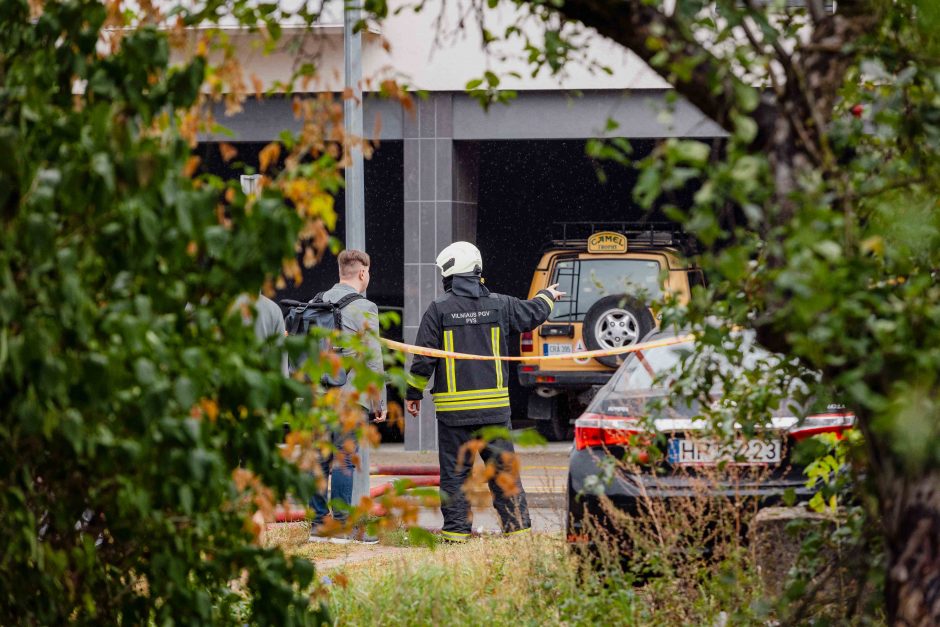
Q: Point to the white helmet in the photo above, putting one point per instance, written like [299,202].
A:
[460,258]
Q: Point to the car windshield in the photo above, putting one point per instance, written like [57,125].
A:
[586,281]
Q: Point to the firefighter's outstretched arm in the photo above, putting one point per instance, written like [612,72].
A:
[525,315]
[422,368]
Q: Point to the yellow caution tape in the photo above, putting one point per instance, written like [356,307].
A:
[440,354]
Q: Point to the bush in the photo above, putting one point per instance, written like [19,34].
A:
[139,416]
[693,559]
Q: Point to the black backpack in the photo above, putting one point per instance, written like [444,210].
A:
[318,313]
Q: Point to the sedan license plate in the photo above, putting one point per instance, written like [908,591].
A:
[683,451]
[556,349]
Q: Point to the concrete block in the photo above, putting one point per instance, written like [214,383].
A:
[412,317]
[427,183]
[444,232]
[412,235]
[409,123]
[444,173]
[444,122]
[411,169]
[425,117]
[426,286]
[429,248]
[775,548]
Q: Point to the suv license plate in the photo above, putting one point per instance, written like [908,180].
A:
[556,349]
[682,451]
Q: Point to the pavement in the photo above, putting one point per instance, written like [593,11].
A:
[543,470]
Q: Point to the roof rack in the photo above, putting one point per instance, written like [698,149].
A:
[640,235]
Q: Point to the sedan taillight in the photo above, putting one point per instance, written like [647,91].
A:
[822,423]
[592,430]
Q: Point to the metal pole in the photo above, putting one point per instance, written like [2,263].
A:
[355,196]
[352,117]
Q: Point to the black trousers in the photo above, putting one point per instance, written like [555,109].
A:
[456,463]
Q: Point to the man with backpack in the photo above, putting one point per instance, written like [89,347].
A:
[357,315]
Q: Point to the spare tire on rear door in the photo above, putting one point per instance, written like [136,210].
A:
[613,322]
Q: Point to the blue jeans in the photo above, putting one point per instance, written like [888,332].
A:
[340,478]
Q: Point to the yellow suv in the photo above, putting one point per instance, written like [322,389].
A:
[611,277]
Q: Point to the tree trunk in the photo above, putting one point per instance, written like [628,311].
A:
[911,511]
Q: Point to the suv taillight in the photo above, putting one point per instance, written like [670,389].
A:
[822,423]
[600,430]
[527,344]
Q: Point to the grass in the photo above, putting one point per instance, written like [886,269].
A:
[292,539]
[528,580]
[534,580]
[689,565]
[400,538]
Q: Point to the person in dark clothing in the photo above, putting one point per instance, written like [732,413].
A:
[470,394]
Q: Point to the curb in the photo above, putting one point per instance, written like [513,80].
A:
[535,500]
[555,500]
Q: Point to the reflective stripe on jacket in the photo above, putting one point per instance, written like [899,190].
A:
[470,319]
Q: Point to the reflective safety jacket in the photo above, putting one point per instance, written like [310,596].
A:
[468,318]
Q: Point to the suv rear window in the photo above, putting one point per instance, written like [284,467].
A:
[586,281]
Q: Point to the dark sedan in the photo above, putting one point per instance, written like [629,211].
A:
[630,451]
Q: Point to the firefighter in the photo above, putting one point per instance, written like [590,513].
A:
[470,394]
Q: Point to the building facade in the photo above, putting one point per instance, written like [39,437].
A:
[452,170]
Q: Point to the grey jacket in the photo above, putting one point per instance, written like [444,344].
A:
[356,315]
[270,323]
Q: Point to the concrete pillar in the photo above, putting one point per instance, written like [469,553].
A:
[440,178]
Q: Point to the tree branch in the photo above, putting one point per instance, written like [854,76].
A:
[634,25]
[816,9]
[712,86]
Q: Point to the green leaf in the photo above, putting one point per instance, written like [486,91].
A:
[183,390]
[746,169]
[745,128]
[490,433]
[304,571]
[186,498]
[746,97]
[529,437]
[102,166]
[829,249]
[647,187]
[144,371]
[692,152]
[706,194]
[421,537]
